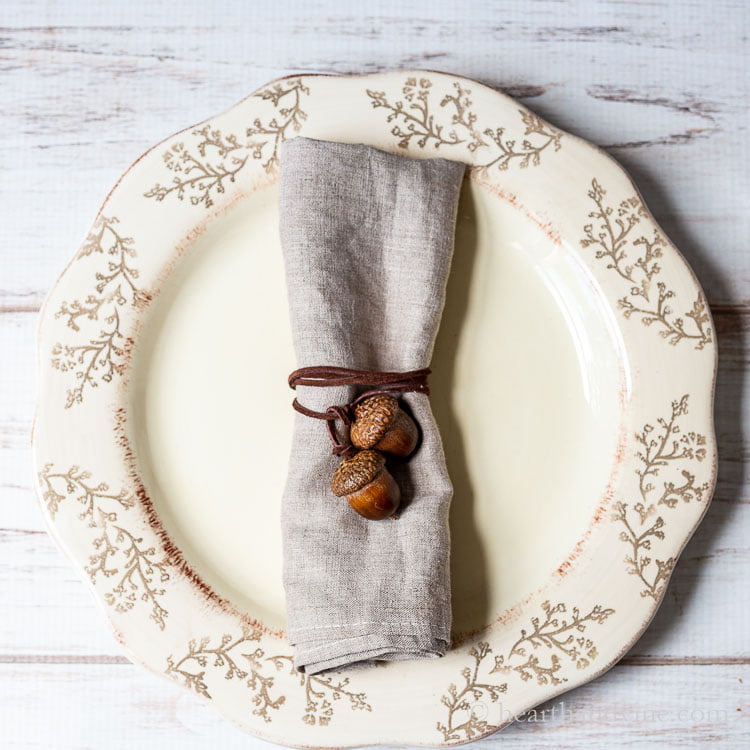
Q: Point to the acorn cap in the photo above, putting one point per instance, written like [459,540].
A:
[373,418]
[354,473]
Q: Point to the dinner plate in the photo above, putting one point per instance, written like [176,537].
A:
[573,386]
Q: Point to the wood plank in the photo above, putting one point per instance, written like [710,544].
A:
[48,609]
[70,706]
[70,132]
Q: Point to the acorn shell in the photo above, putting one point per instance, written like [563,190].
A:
[367,485]
[381,424]
[354,473]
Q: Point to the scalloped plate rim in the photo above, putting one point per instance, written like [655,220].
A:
[44,369]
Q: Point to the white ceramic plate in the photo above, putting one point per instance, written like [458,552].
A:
[576,485]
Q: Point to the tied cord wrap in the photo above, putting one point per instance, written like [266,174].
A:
[387,383]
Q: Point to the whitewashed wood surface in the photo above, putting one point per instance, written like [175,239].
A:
[86,88]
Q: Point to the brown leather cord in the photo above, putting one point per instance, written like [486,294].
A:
[326,377]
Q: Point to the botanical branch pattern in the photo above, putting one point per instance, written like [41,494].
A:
[561,632]
[97,318]
[204,169]
[286,97]
[667,456]
[462,720]
[240,658]
[132,568]
[453,123]
[559,635]
[201,656]
[320,690]
[636,261]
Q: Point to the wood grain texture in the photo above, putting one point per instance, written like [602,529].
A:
[663,86]
[39,709]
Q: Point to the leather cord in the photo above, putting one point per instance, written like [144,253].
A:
[384,382]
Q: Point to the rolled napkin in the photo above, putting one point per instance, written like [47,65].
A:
[367,239]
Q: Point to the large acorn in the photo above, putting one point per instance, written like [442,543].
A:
[367,485]
[381,424]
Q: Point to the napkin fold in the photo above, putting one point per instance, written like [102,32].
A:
[367,238]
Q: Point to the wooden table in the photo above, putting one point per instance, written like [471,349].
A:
[88,87]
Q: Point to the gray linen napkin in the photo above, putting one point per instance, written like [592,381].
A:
[367,239]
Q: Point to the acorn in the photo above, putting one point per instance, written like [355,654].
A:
[367,485]
[381,424]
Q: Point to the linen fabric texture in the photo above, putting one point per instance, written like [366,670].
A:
[367,239]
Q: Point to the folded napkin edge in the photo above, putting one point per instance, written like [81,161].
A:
[360,651]
[298,140]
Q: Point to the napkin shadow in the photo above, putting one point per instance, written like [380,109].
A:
[469,572]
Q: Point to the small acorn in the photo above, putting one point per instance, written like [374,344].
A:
[367,485]
[381,424]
